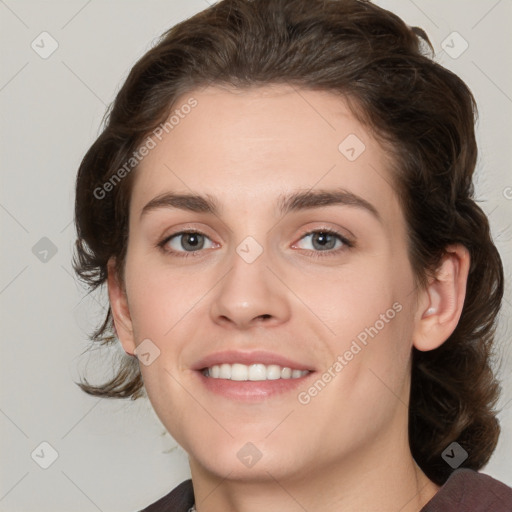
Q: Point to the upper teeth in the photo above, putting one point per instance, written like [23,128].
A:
[252,372]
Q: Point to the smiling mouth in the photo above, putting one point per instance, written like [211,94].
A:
[253,372]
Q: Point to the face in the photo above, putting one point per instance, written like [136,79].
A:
[277,329]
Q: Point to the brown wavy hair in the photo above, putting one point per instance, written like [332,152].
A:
[420,111]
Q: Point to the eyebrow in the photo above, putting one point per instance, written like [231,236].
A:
[296,201]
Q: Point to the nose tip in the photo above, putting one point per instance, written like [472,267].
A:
[249,295]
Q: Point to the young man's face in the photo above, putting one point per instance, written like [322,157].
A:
[263,284]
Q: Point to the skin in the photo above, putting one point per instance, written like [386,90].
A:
[347,448]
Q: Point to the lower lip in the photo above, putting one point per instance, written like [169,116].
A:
[252,390]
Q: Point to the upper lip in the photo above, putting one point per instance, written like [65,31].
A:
[248,358]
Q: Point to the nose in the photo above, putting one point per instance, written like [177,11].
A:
[250,294]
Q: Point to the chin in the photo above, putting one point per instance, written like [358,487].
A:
[250,461]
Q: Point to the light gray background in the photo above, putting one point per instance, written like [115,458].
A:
[112,455]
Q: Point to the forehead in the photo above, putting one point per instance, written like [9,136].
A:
[255,144]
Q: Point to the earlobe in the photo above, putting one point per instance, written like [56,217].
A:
[120,310]
[442,300]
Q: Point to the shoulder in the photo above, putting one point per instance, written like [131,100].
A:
[180,499]
[468,490]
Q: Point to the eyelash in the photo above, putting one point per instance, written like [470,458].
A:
[347,244]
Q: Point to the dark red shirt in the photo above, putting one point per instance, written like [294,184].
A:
[464,491]
[469,491]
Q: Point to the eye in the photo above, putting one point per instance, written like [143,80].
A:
[190,243]
[186,242]
[325,240]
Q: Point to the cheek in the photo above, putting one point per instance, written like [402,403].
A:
[370,314]
[354,299]
[161,298]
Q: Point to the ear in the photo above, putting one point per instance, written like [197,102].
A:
[120,309]
[440,304]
